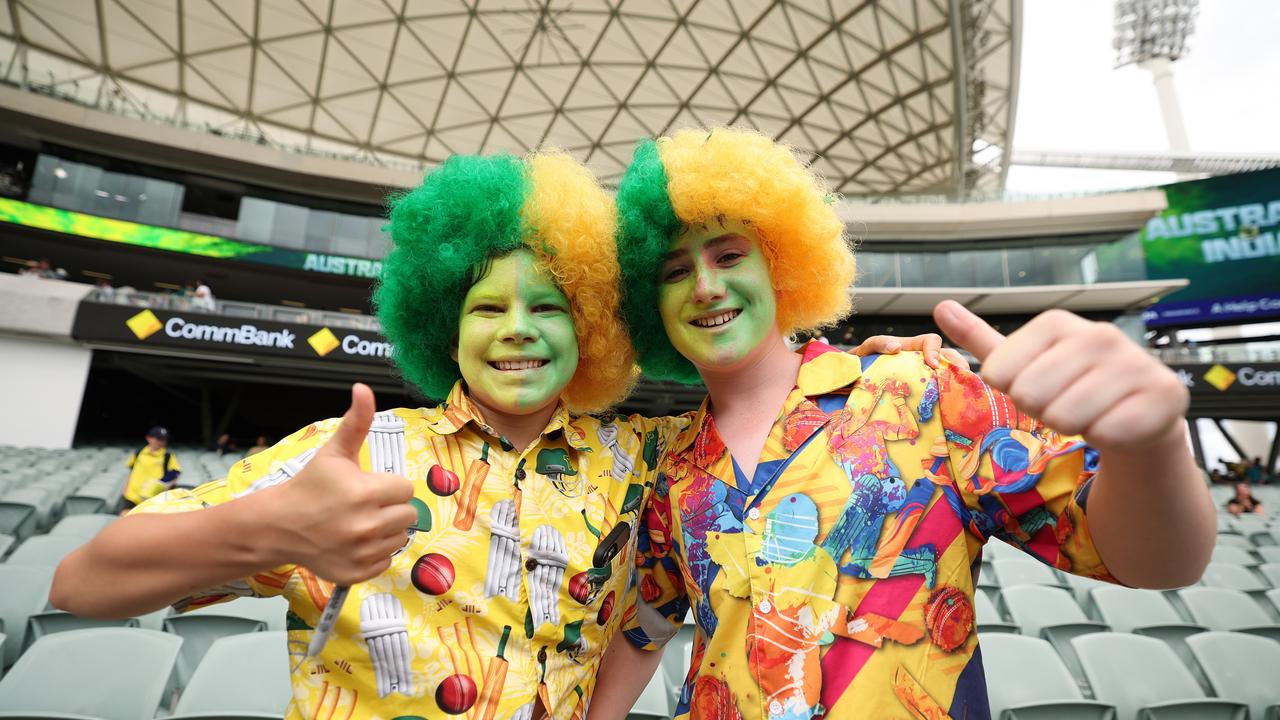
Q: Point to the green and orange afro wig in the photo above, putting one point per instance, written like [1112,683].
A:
[472,209]
[698,176]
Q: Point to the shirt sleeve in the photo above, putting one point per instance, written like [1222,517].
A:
[271,467]
[174,465]
[1014,478]
[657,598]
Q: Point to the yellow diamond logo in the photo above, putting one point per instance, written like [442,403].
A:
[323,342]
[144,324]
[1220,377]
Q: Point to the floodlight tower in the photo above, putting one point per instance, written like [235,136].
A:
[1153,33]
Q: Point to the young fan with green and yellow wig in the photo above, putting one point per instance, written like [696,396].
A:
[501,299]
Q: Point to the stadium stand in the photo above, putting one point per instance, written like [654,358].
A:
[1044,690]
[255,664]
[1240,667]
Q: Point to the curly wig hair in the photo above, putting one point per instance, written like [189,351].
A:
[473,209]
[698,176]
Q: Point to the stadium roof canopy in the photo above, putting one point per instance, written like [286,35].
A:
[892,97]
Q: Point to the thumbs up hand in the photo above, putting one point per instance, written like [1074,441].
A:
[1078,376]
[342,522]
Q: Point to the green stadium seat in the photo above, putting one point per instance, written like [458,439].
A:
[1145,612]
[1234,577]
[256,665]
[26,592]
[1144,679]
[84,526]
[1233,540]
[271,610]
[105,673]
[1051,613]
[1233,556]
[54,621]
[44,550]
[18,519]
[1268,553]
[1241,667]
[1024,571]
[1223,609]
[199,632]
[7,543]
[988,618]
[1031,683]
[654,702]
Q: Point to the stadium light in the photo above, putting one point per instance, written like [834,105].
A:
[1152,34]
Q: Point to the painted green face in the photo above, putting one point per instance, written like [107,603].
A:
[716,297]
[516,345]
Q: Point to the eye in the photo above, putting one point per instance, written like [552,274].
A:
[548,308]
[675,274]
[486,309]
[730,258]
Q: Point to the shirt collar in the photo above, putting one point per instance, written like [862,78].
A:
[458,410]
[823,370]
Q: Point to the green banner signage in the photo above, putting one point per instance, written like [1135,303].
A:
[1223,234]
[162,238]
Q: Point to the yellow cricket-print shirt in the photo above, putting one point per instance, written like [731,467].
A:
[509,587]
[838,581]
[147,469]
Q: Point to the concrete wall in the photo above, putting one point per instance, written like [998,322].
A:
[44,380]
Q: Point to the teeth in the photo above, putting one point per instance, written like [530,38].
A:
[716,320]
[519,364]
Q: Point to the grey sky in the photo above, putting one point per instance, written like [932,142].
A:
[1070,98]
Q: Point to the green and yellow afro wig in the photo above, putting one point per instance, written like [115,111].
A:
[698,176]
[472,209]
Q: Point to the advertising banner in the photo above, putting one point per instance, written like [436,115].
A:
[131,325]
[1222,234]
[1235,379]
[191,243]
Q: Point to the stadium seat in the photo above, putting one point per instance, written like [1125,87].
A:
[1081,587]
[256,665]
[1030,681]
[199,632]
[54,621]
[45,550]
[1233,540]
[676,657]
[6,544]
[999,549]
[41,499]
[1143,678]
[1145,612]
[106,673]
[1051,613]
[270,610]
[1274,597]
[26,592]
[1223,609]
[1241,667]
[17,519]
[988,617]
[1233,555]
[1024,571]
[1268,553]
[1271,571]
[83,526]
[1234,577]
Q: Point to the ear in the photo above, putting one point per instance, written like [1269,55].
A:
[453,350]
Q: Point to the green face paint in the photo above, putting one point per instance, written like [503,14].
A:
[716,297]
[516,344]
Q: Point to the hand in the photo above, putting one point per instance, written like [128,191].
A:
[1078,376]
[930,344]
[339,521]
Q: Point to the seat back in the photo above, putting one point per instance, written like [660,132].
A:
[17,519]
[1023,670]
[1235,577]
[270,611]
[255,665]
[199,633]
[1034,607]
[26,592]
[1223,609]
[83,526]
[55,621]
[1024,571]
[1133,672]
[1233,555]
[1240,667]
[1127,608]
[45,550]
[107,673]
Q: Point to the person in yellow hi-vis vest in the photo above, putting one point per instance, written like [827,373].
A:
[152,470]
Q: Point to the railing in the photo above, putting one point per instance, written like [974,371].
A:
[1253,352]
[236,309]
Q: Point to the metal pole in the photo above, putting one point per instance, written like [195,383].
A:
[1196,447]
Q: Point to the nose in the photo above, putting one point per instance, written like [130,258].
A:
[518,326]
[707,285]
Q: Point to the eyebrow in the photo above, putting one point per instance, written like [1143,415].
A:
[714,242]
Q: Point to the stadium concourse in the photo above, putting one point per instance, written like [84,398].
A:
[144,145]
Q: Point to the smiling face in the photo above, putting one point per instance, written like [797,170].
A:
[716,296]
[516,344]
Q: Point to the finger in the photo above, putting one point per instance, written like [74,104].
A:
[395,519]
[1034,339]
[931,345]
[966,329]
[354,428]
[878,344]
[1086,401]
[389,489]
[1048,375]
[955,358]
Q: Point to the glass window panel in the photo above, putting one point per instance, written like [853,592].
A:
[290,226]
[911,269]
[256,219]
[877,269]
[321,226]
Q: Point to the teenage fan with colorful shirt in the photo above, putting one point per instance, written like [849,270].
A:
[501,295]
[825,514]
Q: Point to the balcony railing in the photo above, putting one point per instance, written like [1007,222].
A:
[237,309]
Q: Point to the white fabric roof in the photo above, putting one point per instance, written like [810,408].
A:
[892,97]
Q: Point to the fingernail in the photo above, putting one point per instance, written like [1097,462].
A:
[948,311]
[933,357]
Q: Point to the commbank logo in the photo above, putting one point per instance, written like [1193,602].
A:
[323,342]
[144,324]
[1220,377]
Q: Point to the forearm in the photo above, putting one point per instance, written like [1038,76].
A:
[1151,517]
[623,674]
[142,563]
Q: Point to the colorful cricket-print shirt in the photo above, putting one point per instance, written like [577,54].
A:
[509,587]
[839,580]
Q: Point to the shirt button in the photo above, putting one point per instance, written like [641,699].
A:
[521,474]
[775,708]
[765,606]
[542,655]
[754,513]
[530,564]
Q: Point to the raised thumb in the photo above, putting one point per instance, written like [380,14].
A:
[966,329]
[353,429]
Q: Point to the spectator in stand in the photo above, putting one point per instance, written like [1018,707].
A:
[106,293]
[202,297]
[262,443]
[1244,503]
[43,269]
[152,469]
[225,444]
[1253,473]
